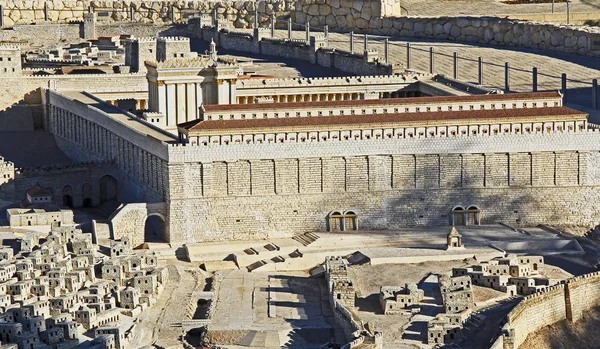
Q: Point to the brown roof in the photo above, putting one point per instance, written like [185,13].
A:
[37,190]
[205,125]
[382,101]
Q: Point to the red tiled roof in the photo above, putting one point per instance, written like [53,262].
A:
[382,101]
[521,113]
[37,190]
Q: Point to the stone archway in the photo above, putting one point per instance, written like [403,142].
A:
[67,196]
[458,215]
[86,195]
[155,228]
[130,221]
[108,188]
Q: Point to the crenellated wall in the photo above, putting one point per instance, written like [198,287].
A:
[565,301]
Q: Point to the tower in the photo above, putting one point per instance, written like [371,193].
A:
[213,51]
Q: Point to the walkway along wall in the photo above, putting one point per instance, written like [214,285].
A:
[374,17]
[566,301]
[314,50]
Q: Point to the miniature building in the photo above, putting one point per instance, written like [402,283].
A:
[394,299]
[10,60]
[454,240]
[441,331]
[37,195]
[457,293]
[511,274]
[22,217]
[7,170]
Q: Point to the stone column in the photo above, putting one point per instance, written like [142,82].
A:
[170,105]
[198,96]
[191,108]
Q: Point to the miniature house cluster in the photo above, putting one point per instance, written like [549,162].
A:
[52,295]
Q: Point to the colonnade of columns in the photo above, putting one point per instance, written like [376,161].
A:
[140,104]
[319,97]
[146,168]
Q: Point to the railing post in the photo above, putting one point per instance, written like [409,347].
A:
[172,14]
[431,60]
[216,19]
[455,65]
[255,17]
[290,28]
[1,16]
[131,12]
[563,84]
[351,42]
[595,94]
[506,76]
[307,31]
[480,70]
[272,25]
[408,55]
[46,11]
[326,31]
[386,50]
[534,82]
[366,42]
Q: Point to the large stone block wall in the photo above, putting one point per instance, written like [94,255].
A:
[277,197]
[373,16]
[313,51]
[583,294]
[27,88]
[536,311]
[565,301]
[142,159]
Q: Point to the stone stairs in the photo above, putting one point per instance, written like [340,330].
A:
[306,238]
[256,265]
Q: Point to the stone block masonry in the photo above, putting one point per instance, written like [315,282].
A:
[379,17]
[253,191]
[566,301]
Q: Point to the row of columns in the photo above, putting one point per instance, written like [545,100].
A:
[303,98]
[145,167]
[480,66]
[140,104]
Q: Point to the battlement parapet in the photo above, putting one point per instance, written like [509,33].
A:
[144,39]
[59,168]
[343,80]
[9,47]
[196,62]
[173,39]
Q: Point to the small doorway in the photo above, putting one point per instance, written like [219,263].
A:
[458,215]
[68,201]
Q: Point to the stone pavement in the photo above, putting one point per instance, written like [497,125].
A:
[580,70]
[490,7]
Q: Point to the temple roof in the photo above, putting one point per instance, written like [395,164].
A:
[384,101]
[390,120]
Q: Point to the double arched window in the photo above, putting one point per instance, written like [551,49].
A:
[342,221]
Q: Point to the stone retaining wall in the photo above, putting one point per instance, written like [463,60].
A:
[374,16]
[566,301]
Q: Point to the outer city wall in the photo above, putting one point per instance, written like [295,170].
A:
[566,301]
[374,17]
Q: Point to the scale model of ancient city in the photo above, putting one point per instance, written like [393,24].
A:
[299,174]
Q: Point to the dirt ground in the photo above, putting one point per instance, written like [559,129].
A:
[566,335]
[368,279]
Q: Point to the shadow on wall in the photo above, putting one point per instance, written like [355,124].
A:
[306,69]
